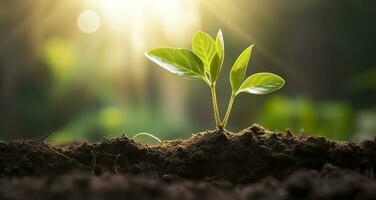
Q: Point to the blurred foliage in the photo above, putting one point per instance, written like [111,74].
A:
[330,119]
[365,125]
[60,55]
[112,121]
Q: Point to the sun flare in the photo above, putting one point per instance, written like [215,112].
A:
[174,18]
[88,21]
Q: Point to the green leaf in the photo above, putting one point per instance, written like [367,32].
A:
[217,61]
[204,47]
[215,68]
[220,45]
[239,69]
[182,62]
[261,83]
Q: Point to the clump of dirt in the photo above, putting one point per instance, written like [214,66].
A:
[252,163]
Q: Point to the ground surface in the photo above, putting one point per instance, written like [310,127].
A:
[251,164]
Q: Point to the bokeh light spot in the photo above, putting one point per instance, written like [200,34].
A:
[111,116]
[88,21]
[60,55]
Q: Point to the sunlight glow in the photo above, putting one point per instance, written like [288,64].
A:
[88,21]
[174,18]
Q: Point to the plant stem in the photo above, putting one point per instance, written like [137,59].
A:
[147,134]
[215,106]
[223,124]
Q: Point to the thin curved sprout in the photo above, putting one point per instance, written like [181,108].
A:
[147,134]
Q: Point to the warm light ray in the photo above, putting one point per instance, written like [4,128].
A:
[174,18]
[236,28]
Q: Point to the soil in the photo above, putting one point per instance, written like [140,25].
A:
[252,164]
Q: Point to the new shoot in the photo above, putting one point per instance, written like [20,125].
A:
[205,61]
[147,134]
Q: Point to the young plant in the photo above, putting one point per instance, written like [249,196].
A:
[205,61]
[148,135]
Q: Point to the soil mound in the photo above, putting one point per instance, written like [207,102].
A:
[252,164]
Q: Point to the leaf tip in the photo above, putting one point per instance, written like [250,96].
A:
[219,32]
[248,50]
[283,81]
[147,54]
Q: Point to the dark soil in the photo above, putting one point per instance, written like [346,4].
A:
[251,164]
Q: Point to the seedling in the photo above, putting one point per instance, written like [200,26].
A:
[205,61]
[147,134]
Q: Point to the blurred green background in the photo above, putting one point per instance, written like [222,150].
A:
[76,69]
